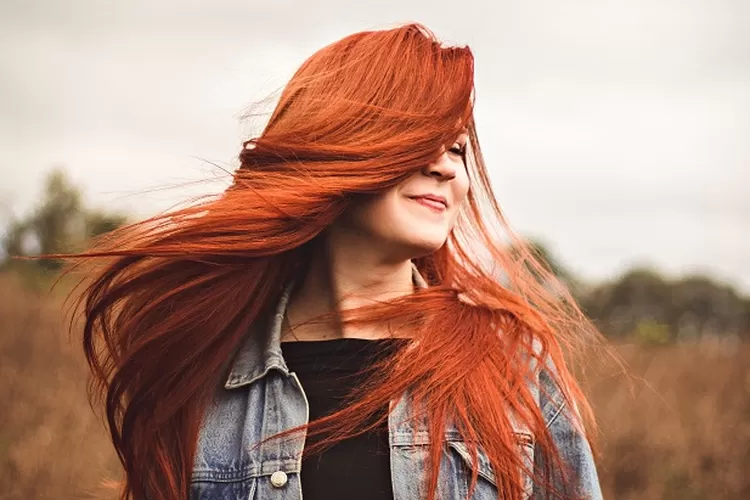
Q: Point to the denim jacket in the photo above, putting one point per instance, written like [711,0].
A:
[261,397]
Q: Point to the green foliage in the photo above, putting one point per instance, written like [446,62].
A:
[544,255]
[644,305]
[690,307]
[650,332]
[58,224]
[98,223]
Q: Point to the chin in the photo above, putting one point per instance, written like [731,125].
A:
[426,244]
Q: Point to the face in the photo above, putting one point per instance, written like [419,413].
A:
[417,215]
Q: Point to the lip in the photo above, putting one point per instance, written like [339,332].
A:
[432,197]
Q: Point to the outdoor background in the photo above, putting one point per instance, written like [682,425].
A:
[617,135]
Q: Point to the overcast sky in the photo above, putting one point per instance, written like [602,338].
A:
[617,131]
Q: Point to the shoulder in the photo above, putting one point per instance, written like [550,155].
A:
[564,424]
[554,400]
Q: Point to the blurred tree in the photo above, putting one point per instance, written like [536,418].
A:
[14,238]
[59,223]
[701,306]
[745,332]
[554,265]
[650,332]
[545,256]
[618,307]
[642,303]
[98,223]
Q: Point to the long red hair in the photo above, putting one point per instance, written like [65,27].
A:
[176,294]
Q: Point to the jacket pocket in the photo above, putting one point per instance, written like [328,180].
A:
[525,446]
[223,490]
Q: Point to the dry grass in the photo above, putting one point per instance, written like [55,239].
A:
[51,444]
[683,432]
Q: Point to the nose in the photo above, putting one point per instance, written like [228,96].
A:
[444,168]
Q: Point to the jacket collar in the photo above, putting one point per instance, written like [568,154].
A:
[262,353]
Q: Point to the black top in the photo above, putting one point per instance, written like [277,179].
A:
[328,370]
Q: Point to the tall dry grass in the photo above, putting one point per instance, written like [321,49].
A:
[682,433]
[680,429]
[51,444]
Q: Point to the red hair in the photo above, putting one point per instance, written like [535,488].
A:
[166,313]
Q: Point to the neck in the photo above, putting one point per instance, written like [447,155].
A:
[345,273]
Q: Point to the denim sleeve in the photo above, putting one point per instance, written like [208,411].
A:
[571,443]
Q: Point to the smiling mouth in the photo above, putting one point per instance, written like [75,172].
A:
[429,203]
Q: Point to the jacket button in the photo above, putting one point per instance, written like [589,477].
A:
[278,479]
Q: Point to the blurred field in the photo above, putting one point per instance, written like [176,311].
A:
[683,432]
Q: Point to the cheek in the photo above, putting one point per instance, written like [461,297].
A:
[388,217]
[385,212]
[373,214]
[462,188]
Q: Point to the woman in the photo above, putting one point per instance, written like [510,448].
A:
[346,320]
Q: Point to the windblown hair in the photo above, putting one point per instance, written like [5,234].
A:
[176,294]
